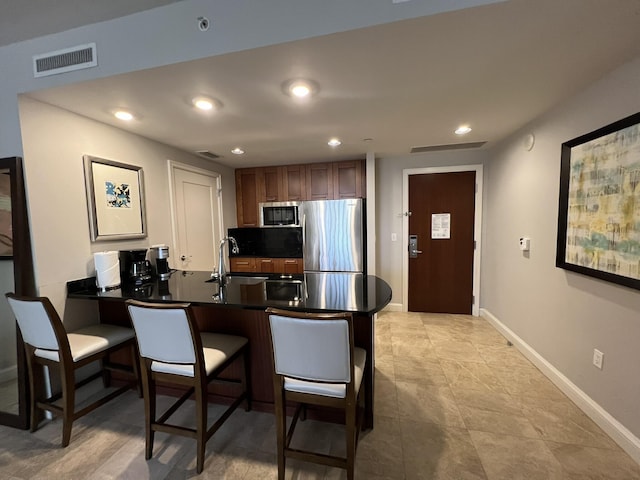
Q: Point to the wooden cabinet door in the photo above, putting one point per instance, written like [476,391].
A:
[349,179]
[320,181]
[242,264]
[271,183]
[294,183]
[266,265]
[247,197]
[290,266]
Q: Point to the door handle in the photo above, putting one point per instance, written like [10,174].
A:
[413,246]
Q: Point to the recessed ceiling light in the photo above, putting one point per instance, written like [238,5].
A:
[462,129]
[123,115]
[237,151]
[300,88]
[334,142]
[205,103]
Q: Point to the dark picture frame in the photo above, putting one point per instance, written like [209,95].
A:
[6,226]
[599,204]
[115,199]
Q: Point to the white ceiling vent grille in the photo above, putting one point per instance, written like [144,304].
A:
[207,154]
[67,60]
[453,146]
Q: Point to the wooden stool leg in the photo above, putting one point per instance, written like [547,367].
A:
[135,365]
[351,433]
[281,427]
[33,393]
[67,376]
[149,394]
[201,424]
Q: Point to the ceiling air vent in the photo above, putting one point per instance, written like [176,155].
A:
[208,154]
[61,61]
[453,146]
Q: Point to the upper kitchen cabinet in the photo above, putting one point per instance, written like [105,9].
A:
[319,181]
[272,182]
[294,183]
[349,180]
[247,196]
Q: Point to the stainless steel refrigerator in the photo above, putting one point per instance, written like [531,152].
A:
[334,236]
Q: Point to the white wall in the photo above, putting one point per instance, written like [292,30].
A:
[54,142]
[389,207]
[562,315]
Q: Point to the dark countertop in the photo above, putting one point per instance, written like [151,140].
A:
[320,292]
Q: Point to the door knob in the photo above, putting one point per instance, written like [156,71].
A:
[413,246]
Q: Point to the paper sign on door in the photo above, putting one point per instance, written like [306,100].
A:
[440,225]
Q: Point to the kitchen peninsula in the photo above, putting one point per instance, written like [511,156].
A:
[238,308]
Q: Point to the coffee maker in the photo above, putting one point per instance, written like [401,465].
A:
[135,269]
[160,256]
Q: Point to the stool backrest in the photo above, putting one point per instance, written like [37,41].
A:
[38,321]
[164,332]
[312,347]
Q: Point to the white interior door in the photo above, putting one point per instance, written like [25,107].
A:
[197,221]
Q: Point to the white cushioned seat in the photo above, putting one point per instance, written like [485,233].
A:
[175,352]
[47,343]
[90,340]
[217,348]
[315,362]
[336,390]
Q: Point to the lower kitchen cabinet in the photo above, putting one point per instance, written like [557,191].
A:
[289,266]
[242,264]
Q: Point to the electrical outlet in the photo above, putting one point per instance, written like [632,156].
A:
[598,357]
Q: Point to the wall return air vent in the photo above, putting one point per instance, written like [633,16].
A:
[452,146]
[67,60]
[207,154]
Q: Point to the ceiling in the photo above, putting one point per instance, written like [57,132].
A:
[385,89]
[26,19]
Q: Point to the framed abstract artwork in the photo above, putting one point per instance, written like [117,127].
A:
[115,199]
[599,211]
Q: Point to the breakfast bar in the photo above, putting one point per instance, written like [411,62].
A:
[238,307]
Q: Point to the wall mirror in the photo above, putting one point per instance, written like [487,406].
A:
[16,274]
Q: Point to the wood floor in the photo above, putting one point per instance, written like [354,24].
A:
[453,401]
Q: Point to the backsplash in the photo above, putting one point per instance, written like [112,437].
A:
[282,242]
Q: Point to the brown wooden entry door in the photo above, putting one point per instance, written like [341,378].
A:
[442,207]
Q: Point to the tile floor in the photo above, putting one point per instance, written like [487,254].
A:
[453,401]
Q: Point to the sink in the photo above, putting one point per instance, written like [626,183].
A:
[240,280]
[284,290]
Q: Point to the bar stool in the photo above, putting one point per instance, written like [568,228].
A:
[315,362]
[48,344]
[174,352]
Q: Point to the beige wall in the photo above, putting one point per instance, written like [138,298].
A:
[389,216]
[54,142]
[561,315]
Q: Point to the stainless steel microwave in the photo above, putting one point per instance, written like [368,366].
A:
[280,214]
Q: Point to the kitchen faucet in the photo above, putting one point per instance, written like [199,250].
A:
[221,274]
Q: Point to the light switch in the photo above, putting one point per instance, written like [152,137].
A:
[394,237]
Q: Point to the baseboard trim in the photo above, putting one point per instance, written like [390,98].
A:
[393,307]
[8,373]
[618,432]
